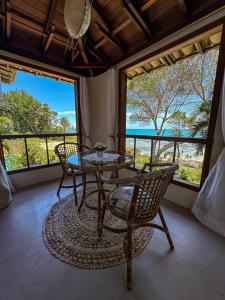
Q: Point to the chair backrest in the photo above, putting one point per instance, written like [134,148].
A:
[64,150]
[149,191]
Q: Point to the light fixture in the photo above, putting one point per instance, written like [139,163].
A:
[77,16]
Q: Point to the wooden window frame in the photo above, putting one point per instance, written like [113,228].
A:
[50,70]
[122,99]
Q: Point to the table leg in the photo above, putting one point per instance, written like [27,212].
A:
[98,175]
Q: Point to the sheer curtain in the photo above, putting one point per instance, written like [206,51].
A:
[5,183]
[111,107]
[209,207]
[85,114]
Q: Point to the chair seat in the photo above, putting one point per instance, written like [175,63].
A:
[70,172]
[119,201]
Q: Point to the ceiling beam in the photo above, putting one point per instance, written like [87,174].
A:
[8,20]
[82,51]
[124,24]
[100,55]
[199,47]
[90,66]
[147,5]
[47,40]
[84,55]
[112,39]
[74,51]
[51,12]
[99,13]
[136,17]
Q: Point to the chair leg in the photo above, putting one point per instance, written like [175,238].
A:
[166,230]
[84,192]
[75,190]
[101,221]
[60,184]
[129,257]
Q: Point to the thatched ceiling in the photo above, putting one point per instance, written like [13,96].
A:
[119,28]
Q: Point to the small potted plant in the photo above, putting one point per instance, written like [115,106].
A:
[99,148]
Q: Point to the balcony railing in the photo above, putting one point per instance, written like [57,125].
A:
[22,152]
[183,150]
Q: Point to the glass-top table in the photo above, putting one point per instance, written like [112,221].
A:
[89,162]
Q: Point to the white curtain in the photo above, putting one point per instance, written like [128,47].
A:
[85,114]
[111,108]
[5,183]
[209,207]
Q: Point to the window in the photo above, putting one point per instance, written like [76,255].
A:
[167,106]
[37,111]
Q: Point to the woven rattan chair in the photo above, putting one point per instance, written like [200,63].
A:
[64,150]
[137,203]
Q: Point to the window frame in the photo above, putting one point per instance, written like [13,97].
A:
[78,133]
[122,99]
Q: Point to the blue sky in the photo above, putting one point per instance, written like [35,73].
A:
[57,94]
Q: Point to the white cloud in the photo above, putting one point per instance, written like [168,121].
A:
[67,112]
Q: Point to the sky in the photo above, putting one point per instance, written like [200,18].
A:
[60,96]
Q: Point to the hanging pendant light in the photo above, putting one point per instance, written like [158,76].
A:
[77,16]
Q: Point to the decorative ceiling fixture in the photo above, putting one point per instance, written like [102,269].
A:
[77,16]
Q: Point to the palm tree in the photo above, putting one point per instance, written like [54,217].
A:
[200,123]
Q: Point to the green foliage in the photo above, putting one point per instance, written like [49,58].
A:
[16,158]
[190,174]
[65,124]
[6,125]
[27,113]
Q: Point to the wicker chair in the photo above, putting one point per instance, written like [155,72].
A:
[64,150]
[137,203]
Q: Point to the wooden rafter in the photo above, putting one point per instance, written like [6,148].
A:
[112,39]
[136,17]
[82,51]
[49,27]
[84,55]
[90,66]
[74,51]
[8,20]
[199,47]
[99,54]
[51,12]
[47,40]
[147,5]
[124,24]
[98,12]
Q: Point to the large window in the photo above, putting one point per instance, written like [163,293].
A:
[168,106]
[36,113]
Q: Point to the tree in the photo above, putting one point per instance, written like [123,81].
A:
[155,97]
[27,113]
[173,95]
[65,124]
[6,125]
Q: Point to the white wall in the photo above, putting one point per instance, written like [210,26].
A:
[35,176]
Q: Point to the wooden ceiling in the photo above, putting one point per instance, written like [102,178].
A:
[119,28]
[197,45]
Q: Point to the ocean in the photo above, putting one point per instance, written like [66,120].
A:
[144,146]
[166,132]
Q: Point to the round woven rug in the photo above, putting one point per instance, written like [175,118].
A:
[72,237]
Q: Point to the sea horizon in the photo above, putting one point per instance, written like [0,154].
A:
[152,132]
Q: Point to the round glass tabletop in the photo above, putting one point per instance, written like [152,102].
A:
[89,161]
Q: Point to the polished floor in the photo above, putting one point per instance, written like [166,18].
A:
[194,270]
